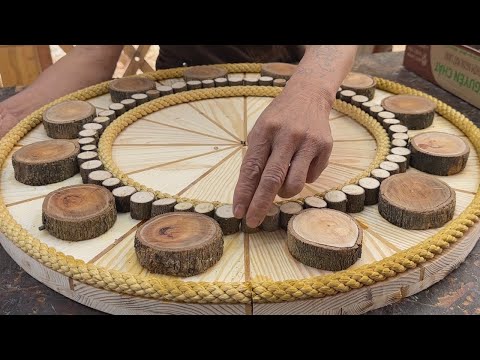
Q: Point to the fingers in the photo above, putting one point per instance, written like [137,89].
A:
[319,163]
[297,174]
[272,179]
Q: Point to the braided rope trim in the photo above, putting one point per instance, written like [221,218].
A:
[238,292]
[122,122]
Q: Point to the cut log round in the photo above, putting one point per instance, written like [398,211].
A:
[314,202]
[287,211]
[86,156]
[400,160]
[183,207]
[250,81]
[87,167]
[221,82]
[235,80]
[439,153]
[98,176]
[360,83]
[179,244]
[383,115]
[205,209]
[279,82]
[355,198]
[416,201]
[153,94]
[65,120]
[415,112]
[325,239]
[265,81]
[336,200]
[399,143]
[107,113]
[194,84]
[179,86]
[165,90]
[87,141]
[228,223]
[93,126]
[163,206]
[122,196]
[88,134]
[141,205]
[129,103]
[391,167]
[272,219]
[140,98]
[400,136]
[89,147]
[398,129]
[389,122]
[367,105]
[124,88]
[103,120]
[403,151]
[380,174]
[346,95]
[375,110]
[204,73]
[111,183]
[371,187]
[78,212]
[119,109]
[278,70]
[209,83]
[358,100]
[46,162]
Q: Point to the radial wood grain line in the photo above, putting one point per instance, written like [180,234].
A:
[116,242]
[376,235]
[310,188]
[339,116]
[26,200]
[245,119]
[376,246]
[214,122]
[208,171]
[176,144]
[180,160]
[346,166]
[188,130]
[464,191]
[248,277]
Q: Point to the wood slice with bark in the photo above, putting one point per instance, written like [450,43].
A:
[141,205]
[403,151]
[111,183]
[398,129]
[416,201]
[87,167]
[415,112]
[265,81]
[124,88]
[360,83]
[165,90]
[358,100]
[93,126]
[371,187]
[98,176]
[88,134]
[103,120]
[380,174]
[153,94]
[207,84]
[278,70]
[400,136]
[355,198]
[272,219]
[179,86]
[279,82]
[87,141]
[179,244]
[129,103]
[325,239]
[399,143]
[107,113]
[314,202]
[336,200]
[228,223]
[46,162]
[221,82]
[163,206]
[287,211]
[235,80]
[89,147]
[65,120]
[439,153]
[79,212]
[205,209]
[391,167]
[140,98]
[194,84]
[400,160]
[119,109]
[204,73]
[347,95]
[122,196]
[183,207]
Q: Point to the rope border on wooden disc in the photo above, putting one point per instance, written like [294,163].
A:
[236,292]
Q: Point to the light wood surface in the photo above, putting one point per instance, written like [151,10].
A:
[195,150]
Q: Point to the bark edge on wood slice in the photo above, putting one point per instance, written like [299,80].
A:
[141,205]
[207,72]
[163,206]
[362,84]
[314,202]
[278,70]
[179,244]
[416,201]
[272,219]
[79,212]
[124,88]
[324,239]
[46,162]
[122,196]
[439,153]
[336,200]
[66,119]
[415,112]
[228,223]
[287,211]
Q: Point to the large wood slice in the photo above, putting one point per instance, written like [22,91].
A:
[415,112]
[204,73]
[325,239]
[416,201]
[179,244]
[124,88]
[439,153]
[79,212]
[278,70]
[360,83]
[65,120]
[46,162]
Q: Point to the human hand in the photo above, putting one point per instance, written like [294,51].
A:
[289,145]
[7,121]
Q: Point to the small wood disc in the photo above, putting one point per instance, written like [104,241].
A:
[78,212]
[124,88]
[371,186]
[367,105]
[415,112]
[89,147]
[98,176]
[194,84]
[390,122]
[358,100]
[183,207]
[355,198]
[153,94]
[228,223]
[375,110]
[107,113]
[250,81]
[391,167]
[325,239]
[46,162]
[279,82]
[416,201]
[336,200]
[129,103]
[165,90]
[93,126]
[401,136]
[272,219]
[209,83]
[346,95]
[278,70]
[88,133]
[360,83]
[400,160]
[65,120]
[87,167]
[265,81]
[103,120]
[119,109]
[87,141]
[399,143]
[141,205]
[397,129]
[314,202]
[235,80]
[439,153]
[204,73]
[122,196]
[287,211]
[111,183]
[403,151]
[86,156]
[205,209]
[163,206]
[179,244]
[179,86]
[382,115]
[140,98]
[221,81]
[380,174]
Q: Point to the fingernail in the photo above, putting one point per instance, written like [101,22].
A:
[239,211]
[253,223]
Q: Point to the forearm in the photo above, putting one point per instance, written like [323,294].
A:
[82,67]
[322,70]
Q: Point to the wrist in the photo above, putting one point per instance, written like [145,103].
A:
[315,92]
